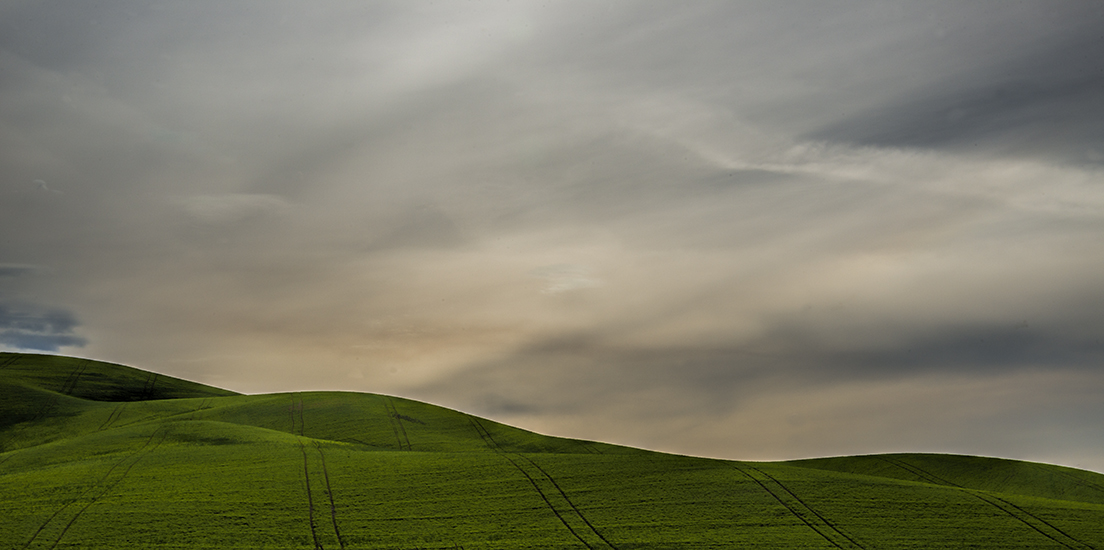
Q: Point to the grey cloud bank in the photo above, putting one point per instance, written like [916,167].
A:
[31,327]
[741,229]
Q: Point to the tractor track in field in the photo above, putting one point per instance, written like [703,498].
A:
[1082,482]
[544,493]
[147,388]
[153,417]
[485,435]
[115,415]
[397,424]
[108,488]
[544,497]
[71,381]
[1019,513]
[1039,525]
[302,423]
[310,498]
[841,540]
[12,360]
[105,488]
[203,405]
[568,500]
[40,413]
[291,412]
[46,410]
[398,438]
[329,493]
[306,469]
[313,522]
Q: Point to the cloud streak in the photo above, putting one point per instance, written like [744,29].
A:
[231,207]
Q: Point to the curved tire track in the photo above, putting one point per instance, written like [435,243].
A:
[147,388]
[11,361]
[827,530]
[579,530]
[291,412]
[313,522]
[568,500]
[105,491]
[45,411]
[205,404]
[306,468]
[310,498]
[100,483]
[484,435]
[1036,523]
[329,493]
[397,424]
[1082,482]
[115,415]
[71,381]
[302,423]
[544,497]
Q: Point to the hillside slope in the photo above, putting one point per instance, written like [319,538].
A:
[117,461]
[973,472]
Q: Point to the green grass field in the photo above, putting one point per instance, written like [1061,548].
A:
[94,455]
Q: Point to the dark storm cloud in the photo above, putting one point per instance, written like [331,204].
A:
[963,388]
[586,370]
[985,349]
[1040,96]
[956,349]
[25,326]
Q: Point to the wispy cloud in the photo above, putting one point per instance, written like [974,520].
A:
[231,207]
[565,278]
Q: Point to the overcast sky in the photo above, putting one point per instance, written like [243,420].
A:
[751,230]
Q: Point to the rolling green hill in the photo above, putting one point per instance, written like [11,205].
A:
[96,455]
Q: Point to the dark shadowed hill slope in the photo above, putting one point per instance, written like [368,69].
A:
[96,380]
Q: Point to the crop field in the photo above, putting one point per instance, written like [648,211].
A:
[94,455]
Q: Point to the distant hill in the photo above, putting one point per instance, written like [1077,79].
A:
[95,455]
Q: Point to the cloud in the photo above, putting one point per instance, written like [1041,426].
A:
[766,402]
[565,278]
[425,226]
[1043,100]
[595,372]
[231,207]
[25,326]
[19,270]
[41,186]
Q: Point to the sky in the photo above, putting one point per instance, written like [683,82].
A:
[749,230]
